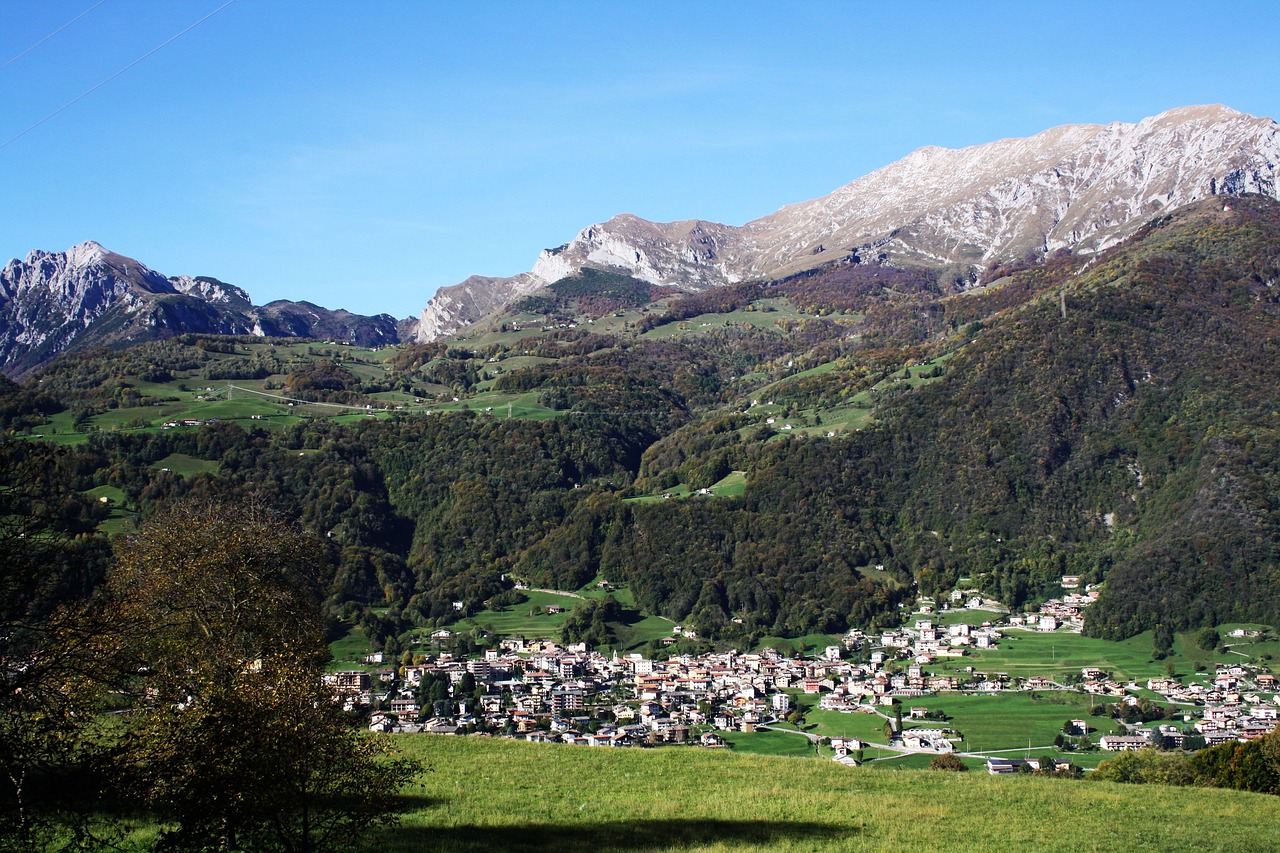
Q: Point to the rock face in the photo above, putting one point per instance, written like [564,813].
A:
[55,302]
[284,319]
[1082,186]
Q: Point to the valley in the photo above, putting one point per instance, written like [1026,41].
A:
[1003,504]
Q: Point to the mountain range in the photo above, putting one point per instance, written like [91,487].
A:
[1084,187]
[955,212]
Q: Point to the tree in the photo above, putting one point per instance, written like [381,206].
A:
[239,742]
[947,761]
[1146,766]
[1208,639]
[1162,641]
[265,761]
[592,623]
[1250,766]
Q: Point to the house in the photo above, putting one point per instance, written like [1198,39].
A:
[350,681]
[918,739]
[1001,766]
[1123,743]
[440,726]
[846,745]
[405,707]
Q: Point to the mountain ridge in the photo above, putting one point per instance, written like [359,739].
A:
[88,296]
[1080,186]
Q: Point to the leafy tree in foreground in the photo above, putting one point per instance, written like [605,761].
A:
[240,743]
[264,761]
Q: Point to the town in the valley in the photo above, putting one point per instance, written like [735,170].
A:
[894,687]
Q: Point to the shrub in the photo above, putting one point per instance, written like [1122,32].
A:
[947,761]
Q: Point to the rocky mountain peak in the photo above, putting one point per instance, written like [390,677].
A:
[88,252]
[54,302]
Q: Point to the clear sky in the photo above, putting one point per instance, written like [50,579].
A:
[361,154]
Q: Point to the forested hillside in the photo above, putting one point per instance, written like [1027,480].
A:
[1112,416]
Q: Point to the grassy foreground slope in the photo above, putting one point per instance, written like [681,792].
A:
[504,795]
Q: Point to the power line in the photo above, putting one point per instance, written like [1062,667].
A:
[231,388]
[428,409]
[52,34]
[95,88]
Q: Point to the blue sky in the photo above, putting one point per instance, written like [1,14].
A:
[362,154]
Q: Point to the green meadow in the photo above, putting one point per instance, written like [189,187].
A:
[1008,721]
[808,644]
[732,485]
[532,620]
[1060,654]
[348,652]
[769,742]
[529,618]
[181,463]
[489,794]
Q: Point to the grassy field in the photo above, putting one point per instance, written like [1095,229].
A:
[482,795]
[181,463]
[836,420]
[349,652]
[122,519]
[769,743]
[811,643]
[862,725]
[530,618]
[766,314]
[1002,722]
[946,618]
[532,621]
[1058,654]
[732,485]
[1011,720]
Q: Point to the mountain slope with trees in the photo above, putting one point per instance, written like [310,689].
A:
[1108,416]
